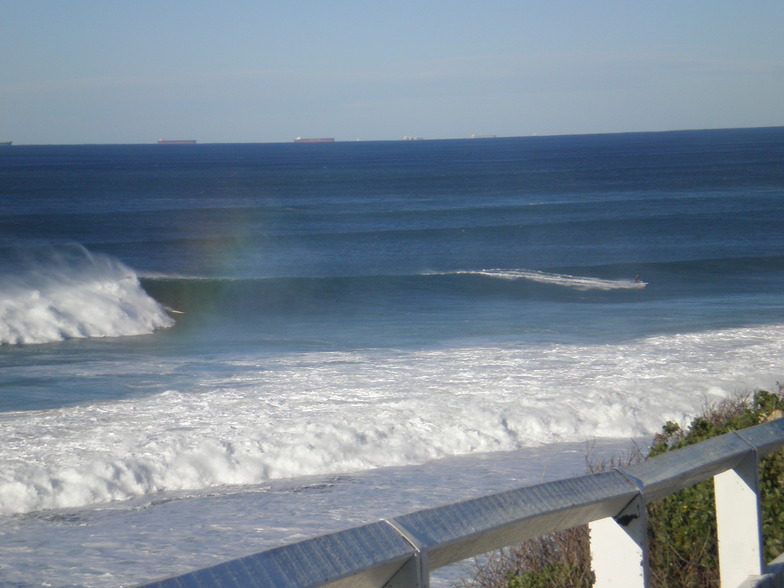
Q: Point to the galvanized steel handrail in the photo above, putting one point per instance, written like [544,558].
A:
[401,552]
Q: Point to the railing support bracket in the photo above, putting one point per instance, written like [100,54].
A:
[415,573]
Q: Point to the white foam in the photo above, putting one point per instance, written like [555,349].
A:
[565,280]
[182,531]
[71,293]
[322,413]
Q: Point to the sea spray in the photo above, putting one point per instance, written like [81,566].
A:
[55,293]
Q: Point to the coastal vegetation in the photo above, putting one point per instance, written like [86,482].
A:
[681,527]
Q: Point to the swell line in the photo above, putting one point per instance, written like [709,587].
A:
[582,283]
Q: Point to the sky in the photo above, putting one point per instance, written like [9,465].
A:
[119,71]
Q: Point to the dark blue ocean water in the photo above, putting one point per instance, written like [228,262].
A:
[209,318]
[386,244]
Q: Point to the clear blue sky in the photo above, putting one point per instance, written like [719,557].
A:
[122,71]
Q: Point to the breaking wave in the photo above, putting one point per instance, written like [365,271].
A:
[55,293]
[327,413]
[565,280]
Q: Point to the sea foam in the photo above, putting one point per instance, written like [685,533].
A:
[565,280]
[56,293]
[334,412]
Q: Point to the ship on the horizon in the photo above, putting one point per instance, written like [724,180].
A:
[318,140]
[5,142]
[176,141]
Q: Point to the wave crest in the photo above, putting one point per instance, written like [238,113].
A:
[57,293]
[566,280]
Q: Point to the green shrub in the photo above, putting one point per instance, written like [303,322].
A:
[681,527]
[557,559]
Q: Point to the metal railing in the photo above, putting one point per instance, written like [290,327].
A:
[401,552]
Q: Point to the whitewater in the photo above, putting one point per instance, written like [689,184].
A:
[66,293]
[213,350]
[328,413]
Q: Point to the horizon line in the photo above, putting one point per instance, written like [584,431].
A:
[483,137]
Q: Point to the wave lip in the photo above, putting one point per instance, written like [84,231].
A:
[66,292]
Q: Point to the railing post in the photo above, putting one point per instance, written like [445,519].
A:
[619,548]
[738,522]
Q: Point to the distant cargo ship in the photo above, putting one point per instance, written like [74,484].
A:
[176,141]
[321,140]
[5,142]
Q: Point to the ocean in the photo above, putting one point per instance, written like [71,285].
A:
[210,350]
